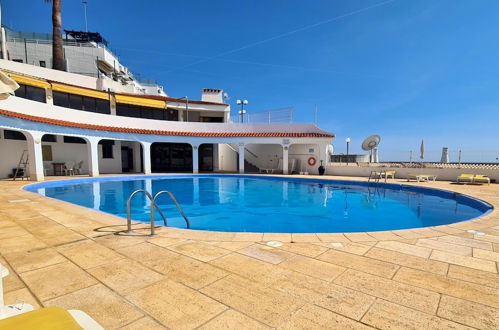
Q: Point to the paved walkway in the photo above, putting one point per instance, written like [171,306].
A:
[432,278]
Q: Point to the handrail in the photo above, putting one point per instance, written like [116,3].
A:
[151,210]
[172,197]
[246,149]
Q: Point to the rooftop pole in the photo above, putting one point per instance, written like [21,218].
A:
[85,10]
[2,30]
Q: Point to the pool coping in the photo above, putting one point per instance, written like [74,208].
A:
[480,223]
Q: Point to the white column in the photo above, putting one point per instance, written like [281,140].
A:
[147,156]
[241,157]
[195,158]
[285,162]
[216,158]
[93,156]
[35,157]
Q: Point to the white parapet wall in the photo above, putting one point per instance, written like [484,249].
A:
[445,174]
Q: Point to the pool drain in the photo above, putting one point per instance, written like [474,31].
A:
[475,232]
[274,243]
[337,245]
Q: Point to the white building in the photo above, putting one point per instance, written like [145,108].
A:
[60,117]
[85,53]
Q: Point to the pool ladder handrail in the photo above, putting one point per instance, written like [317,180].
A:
[151,208]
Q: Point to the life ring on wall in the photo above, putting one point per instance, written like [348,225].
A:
[312,161]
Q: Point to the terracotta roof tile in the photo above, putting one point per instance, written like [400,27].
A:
[59,122]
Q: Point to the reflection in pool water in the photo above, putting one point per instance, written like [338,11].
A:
[272,204]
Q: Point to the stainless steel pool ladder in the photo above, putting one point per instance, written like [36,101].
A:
[151,208]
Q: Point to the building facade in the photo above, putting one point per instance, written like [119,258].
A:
[59,118]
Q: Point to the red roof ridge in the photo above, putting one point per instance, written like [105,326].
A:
[65,123]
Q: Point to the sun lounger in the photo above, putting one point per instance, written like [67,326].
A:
[10,310]
[479,178]
[388,174]
[473,178]
[53,318]
[421,177]
[465,178]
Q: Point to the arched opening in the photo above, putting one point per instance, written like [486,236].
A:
[116,156]
[12,144]
[171,157]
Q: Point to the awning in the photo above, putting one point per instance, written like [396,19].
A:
[32,81]
[137,100]
[80,91]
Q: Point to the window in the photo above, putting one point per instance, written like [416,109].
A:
[13,135]
[61,99]
[128,110]
[31,93]
[212,119]
[76,102]
[79,102]
[74,139]
[107,148]
[18,60]
[43,64]
[49,138]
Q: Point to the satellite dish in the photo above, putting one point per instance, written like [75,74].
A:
[371,143]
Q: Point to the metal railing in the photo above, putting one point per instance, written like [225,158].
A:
[151,209]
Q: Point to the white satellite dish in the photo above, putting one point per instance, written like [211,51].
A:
[370,144]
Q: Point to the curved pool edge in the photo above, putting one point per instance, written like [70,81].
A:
[477,223]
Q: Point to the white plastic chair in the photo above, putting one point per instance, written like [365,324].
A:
[78,167]
[46,168]
[69,168]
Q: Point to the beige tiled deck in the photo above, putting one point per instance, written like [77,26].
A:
[431,278]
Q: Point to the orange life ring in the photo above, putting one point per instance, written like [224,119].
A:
[312,161]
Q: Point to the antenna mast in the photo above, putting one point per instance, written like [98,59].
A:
[85,10]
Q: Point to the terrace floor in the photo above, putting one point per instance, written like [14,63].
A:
[63,255]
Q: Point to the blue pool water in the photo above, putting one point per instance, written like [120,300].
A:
[271,204]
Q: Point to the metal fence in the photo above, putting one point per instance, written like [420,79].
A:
[283,115]
[455,156]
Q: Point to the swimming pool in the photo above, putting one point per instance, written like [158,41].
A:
[245,203]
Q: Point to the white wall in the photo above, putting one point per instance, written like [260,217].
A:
[111,165]
[446,174]
[11,150]
[10,153]
[64,152]
[227,158]
[268,155]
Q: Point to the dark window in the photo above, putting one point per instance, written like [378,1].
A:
[76,102]
[89,104]
[79,102]
[43,64]
[147,113]
[212,119]
[18,60]
[73,139]
[107,148]
[13,135]
[49,138]
[31,93]
[102,106]
[171,115]
[128,110]
[61,99]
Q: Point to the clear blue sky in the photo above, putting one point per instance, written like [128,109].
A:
[405,69]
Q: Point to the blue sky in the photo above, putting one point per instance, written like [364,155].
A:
[407,70]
